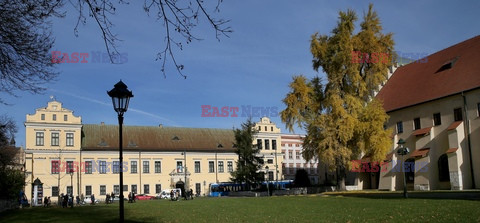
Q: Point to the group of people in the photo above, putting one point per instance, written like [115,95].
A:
[131,197]
[46,202]
[66,199]
[109,198]
[175,195]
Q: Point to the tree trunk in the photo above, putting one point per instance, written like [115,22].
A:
[341,178]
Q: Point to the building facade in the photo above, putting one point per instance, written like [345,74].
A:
[64,156]
[292,149]
[435,107]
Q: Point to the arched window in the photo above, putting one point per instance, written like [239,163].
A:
[409,168]
[443,172]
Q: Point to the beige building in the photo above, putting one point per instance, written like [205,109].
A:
[435,107]
[65,156]
[268,138]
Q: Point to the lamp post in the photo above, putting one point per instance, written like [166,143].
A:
[403,151]
[120,97]
[71,184]
[219,146]
[175,138]
[266,179]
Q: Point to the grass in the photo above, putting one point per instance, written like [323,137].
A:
[263,209]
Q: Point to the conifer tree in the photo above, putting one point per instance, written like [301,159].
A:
[248,162]
[342,118]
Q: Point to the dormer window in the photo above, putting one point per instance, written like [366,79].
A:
[448,65]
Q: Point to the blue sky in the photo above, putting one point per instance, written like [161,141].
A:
[269,45]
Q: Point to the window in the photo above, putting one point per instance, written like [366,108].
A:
[158,167]
[271,128]
[54,117]
[116,166]
[146,167]
[179,167]
[39,139]
[457,114]
[274,144]
[283,152]
[133,167]
[42,116]
[267,144]
[230,166]
[69,139]
[158,188]
[69,167]
[270,161]
[399,127]
[54,191]
[437,119]
[259,143]
[211,166]
[55,166]
[478,109]
[197,166]
[290,156]
[88,167]
[416,124]
[220,166]
[69,190]
[265,128]
[297,155]
[134,188]
[125,187]
[116,189]
[270,175]
[88,190]
[103,190]
[146,188]
[443,172]
[289,145]
[55,136]
[103,166]
[198,188]
[65,117]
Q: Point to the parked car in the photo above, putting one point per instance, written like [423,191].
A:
[164,195]
[143,197]
[88,200]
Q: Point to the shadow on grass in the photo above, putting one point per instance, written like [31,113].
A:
[98,213]
[463,195]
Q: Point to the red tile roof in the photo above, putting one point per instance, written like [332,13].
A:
[420,153]
[423,81]
[423,131]
[452,150]
[454,125]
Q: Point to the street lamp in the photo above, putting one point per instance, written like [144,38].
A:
[219,146]
[71,184]
[403,151]
[120,97]
[175,138]
[266,179]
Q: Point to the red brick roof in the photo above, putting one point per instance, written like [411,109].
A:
[454,125]
[421,132]
[420,152]
[424,81]
[452,150]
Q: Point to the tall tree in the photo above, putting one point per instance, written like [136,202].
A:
[248,162]
[25,34]
[342,118]
[12,179]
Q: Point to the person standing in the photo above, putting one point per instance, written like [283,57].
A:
[93,199]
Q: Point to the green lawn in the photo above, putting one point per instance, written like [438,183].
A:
[272,209]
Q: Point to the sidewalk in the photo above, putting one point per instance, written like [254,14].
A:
[439,194]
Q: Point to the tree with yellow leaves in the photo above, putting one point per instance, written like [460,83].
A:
[342,118]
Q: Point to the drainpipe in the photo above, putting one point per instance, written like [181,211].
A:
[467,135]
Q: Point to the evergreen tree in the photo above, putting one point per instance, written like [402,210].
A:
[342,118]
[248,162]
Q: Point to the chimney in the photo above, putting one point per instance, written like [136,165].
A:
[102,123]
[160,125]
